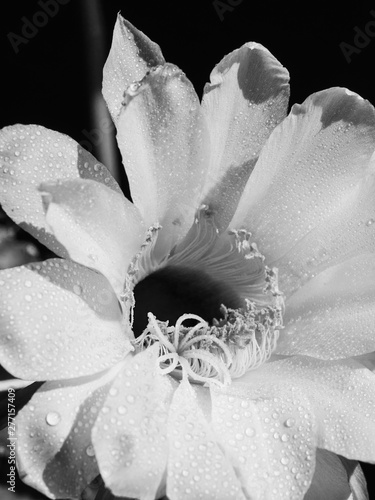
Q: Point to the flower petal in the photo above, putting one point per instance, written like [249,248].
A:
[267,432]
[99,227]
[357,480]
[130,434]
[31,154]
[341,394]
[59,320]
[330,478]
[54,450]
[196,464]
[247,97]
[311,193]
[333,315]
[161,135]
[132,54]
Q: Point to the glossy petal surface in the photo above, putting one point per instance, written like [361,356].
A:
[99,227]
[130,433]
[59,320]
[132,54]
[309,199]
[55,453]
[246,99]
[161,135]
[333,315]
[267,432]
[341,394]
[30,155]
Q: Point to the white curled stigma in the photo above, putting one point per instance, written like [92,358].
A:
[185,351]
[243,340]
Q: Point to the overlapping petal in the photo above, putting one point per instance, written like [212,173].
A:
[341,394]
[309,199]
[357,480]
[197,467]
[333,315]
[268,433]
[132,54]
[99,227]
[130,436]
[247,97]
[162,138]
[55,454]
[330,478]
[30,155]
[59,320]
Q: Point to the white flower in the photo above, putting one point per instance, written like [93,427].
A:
[233,204]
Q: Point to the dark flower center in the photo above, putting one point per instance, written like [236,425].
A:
[172,291]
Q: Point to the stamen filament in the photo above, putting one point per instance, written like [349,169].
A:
[210,338]
[178,325]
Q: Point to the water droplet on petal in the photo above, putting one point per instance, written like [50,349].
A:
[53,418]
[113,391]
[289,422]
[77,289]
[90,451]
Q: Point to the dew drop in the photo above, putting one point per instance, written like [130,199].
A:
[90,451]
[249,431]
[121,410]
[77,289]
[53,418]
[289,422]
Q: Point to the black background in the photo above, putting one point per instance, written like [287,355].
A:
[51,78]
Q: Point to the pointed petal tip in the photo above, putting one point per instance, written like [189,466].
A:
[256,64]
[132,54]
